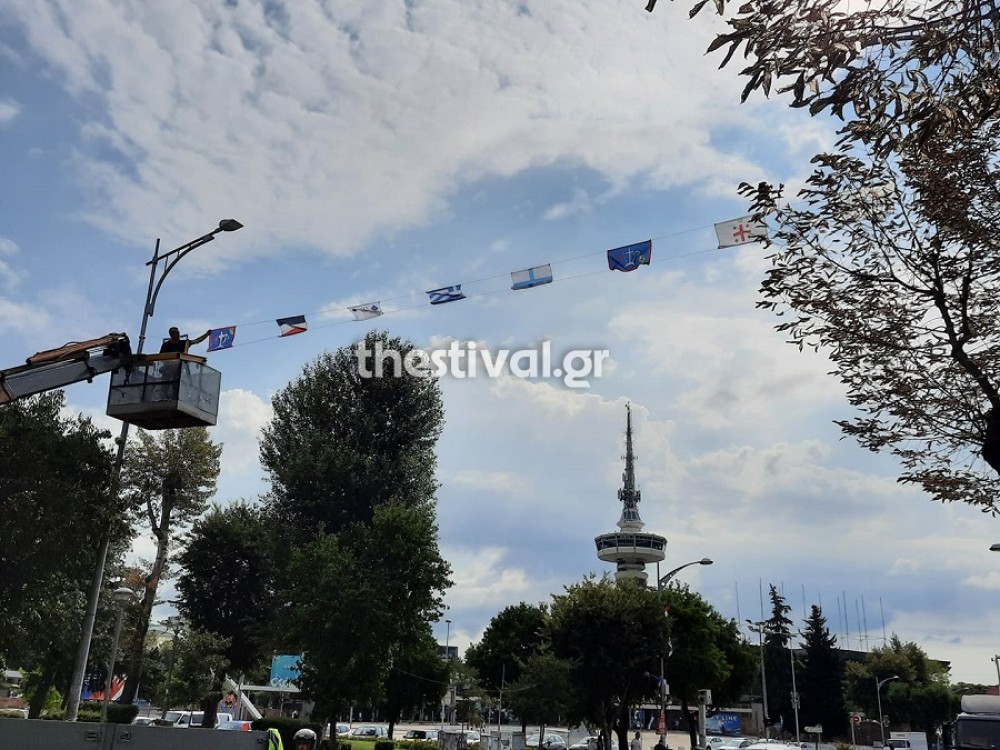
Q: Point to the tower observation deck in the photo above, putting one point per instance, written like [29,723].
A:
[629,548]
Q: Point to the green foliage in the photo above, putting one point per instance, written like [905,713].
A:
[513,636]
[418,676]
[167,479]
[384,745]
[227,579]
[341,445]
[820,678]
[543,693]
[920,697]
[612,634]
[199,663]
[118,713]
[54,489]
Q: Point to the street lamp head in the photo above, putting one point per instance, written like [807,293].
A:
[123,596]
[705,561]
[995,547]
[229,225]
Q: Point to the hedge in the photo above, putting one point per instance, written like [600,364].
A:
[118,713]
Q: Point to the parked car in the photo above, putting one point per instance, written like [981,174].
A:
[421,734]
[551,741]
[235,725]
[590,743]
[472,737]
[183,718]
[343,729]
[736,743]
[144,721]
[369,730]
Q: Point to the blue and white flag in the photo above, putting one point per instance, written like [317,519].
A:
[531,277]
[630,257]
[446,294]
[221,338]
[366,312]
[291,326]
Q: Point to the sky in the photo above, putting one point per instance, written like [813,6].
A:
[378,150]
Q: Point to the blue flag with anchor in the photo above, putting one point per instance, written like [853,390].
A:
[530,277]
[630,257]
[446,294]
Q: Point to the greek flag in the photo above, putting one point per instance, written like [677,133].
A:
[446,294]
[531,277]
[366,312]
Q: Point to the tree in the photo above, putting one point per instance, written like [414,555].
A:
[819,681]
[168,481]
[360,600]
[612,634]
[543,691]
[892,72]
[513,635]
[55,503]
[705,651]
[417,679]
[342,444]
[226,584]
[777,660]
[920,697]
[890,268]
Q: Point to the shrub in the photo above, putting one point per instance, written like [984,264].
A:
[384,744]
[118,713]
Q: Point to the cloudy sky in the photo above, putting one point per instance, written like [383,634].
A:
[376,150]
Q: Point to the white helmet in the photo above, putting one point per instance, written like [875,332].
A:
[305,734]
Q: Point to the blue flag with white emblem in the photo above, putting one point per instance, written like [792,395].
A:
[630,257]
[446,294]
[221,338]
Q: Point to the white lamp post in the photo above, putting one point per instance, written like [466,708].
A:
[878,698]
[123,596]
[758,628]
[661,584]
[447,658]
[83,650]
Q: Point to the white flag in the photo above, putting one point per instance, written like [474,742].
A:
[366,312]
[740,231]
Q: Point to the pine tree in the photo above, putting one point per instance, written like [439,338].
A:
[820,678]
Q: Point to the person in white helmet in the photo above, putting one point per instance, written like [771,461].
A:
[304,739]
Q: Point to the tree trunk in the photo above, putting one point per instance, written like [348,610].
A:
[45,680]
[150,586]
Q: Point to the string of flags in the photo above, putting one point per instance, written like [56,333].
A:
[739,231]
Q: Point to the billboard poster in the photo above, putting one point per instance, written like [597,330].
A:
[723,722]
[284,670]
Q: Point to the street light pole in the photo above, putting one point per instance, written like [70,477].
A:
[878,698]
[661,584]
[123,596]
[996,663]
[152,292]
[758,628]
[447,658]
[795,692]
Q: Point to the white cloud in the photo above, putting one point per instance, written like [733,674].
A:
[307,120]
[9,110]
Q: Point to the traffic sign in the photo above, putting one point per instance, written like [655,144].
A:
[856,718]
[817,729]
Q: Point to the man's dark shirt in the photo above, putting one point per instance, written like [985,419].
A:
[168,346]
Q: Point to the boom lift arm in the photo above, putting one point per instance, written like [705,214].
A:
[67,364]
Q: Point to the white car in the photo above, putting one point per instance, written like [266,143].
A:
[369,730]
[551,742]
[590,743]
